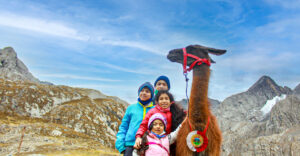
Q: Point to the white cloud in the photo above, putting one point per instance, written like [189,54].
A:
[133,44]
[257,61]
[53,28]
[288,4]
[287,27]
[67,76]
[144,71]
[59,29]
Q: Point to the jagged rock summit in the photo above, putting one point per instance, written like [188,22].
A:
[48,111]
[247,130]
[297,89]
[267,86]
[11,68]
[246,106]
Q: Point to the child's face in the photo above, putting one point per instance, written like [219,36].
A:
[158,126]
[145,94]
[161,85]
[164,101]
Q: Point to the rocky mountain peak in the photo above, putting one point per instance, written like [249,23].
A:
[267,86]
[297,89]
[8,52]
[12,68]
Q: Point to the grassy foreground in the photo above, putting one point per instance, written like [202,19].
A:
[39,141]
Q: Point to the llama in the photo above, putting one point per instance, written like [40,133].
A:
[199,115]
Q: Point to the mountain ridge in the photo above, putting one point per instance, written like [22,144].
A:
[76,113]
[247,131]
[12,68]
[58,111]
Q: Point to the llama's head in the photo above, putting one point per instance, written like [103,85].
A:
[176,55]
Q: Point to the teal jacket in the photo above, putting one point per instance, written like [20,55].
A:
[131,121]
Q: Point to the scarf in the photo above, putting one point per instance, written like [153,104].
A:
[158,136]
[144,102]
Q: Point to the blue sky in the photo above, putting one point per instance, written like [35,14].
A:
[114,46]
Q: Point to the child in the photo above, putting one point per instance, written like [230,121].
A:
[155,141]
[164,99]
[132,119]
[162,83]
[172,112]
[178,114]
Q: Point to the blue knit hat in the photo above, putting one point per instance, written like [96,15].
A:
[149,86]
[165,78]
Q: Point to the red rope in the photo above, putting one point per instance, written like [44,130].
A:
[197,61]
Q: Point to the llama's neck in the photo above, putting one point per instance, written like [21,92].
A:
[199,107]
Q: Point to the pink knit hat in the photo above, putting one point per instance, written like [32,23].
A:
[157,116]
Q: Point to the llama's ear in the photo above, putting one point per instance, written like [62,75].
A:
[216,51]
[208,50]
[211,60]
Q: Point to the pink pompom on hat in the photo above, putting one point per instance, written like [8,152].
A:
[157,116]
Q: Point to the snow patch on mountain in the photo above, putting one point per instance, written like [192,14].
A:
[270,103]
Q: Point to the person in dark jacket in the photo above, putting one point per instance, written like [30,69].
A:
[162,83]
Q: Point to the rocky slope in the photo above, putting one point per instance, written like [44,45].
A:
[63,111]
[278,135]
[41,137]
[83,110]
[248,131]
[297,89]
[62,118]
[246,106]
[214,104]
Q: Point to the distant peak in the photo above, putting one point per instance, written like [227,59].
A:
[8,52]
[265,83]
[8,47]
[265,80]
[297,89]
[12,68]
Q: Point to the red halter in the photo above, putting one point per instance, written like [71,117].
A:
[198,61]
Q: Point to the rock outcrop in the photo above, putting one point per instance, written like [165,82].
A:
[297,89]
[247,131]
[11,68]
[246,106]
[214,104]
[83,110]
[278,135]
[59,110]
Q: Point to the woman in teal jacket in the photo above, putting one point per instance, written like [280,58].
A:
[132,119]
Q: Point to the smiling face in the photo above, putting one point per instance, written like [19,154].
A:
[161,85]
[145,94]
[158,126]
[164,101]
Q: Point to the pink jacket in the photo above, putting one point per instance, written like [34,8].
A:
[160,147]
[154,146]
[157,109]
